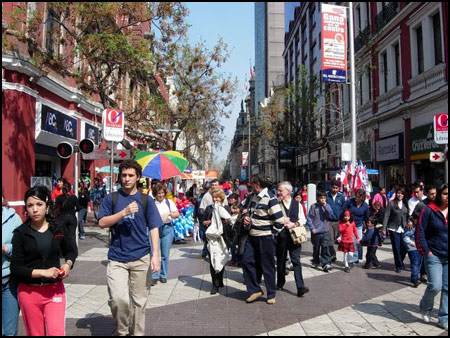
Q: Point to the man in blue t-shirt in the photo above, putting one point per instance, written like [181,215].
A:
[129,252]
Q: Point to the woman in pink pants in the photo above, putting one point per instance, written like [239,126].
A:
[36,266]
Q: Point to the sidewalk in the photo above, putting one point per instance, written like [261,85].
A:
[363,302]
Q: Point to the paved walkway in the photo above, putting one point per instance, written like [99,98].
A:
[363,302]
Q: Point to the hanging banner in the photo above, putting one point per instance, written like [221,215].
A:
[334,43]
[244,159]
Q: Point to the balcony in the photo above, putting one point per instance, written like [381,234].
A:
[362,39]
[390,100]
[385,16]
[427,82]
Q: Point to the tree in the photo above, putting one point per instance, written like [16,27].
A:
[96,46]
[202,92]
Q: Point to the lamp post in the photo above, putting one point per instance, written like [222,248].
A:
[170,130]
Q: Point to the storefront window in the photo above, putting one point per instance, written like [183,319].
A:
[43,168]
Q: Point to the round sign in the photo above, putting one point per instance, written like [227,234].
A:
[64,150]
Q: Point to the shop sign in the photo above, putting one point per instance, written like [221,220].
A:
[58,123]
[422,142]
[91,133]
[390,149]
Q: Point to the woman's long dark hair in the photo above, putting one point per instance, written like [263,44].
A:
[441,189]
[396,200]
[43,194]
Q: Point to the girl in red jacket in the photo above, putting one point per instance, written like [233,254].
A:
[348,232]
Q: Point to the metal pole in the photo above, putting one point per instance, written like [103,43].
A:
[112,168]
[446,165]
[77,150]
[249,148]
[352,80]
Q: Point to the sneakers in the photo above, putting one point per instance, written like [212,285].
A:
[444,326]
[254,297]
[302,291]
[426,317]
[327,268]
[270,301]
[82,237]
[154,282]
[347,269]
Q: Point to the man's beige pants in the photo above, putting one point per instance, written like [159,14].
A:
[129,290]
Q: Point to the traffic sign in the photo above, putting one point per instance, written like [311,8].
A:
[441,128]
[122,154]
[113,125]
[437,157]
[64,150]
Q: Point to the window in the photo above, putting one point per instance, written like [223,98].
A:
[419,40]
[384,71]
[437,39]
[52,36]
[398,79]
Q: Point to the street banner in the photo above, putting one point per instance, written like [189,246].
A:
[441,128]
[334,43]
[244,159]
[113,125]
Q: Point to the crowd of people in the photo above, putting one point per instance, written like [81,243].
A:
[257,227]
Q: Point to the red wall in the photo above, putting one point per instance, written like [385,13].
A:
[18,143]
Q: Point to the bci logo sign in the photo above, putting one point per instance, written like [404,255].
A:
[58,123]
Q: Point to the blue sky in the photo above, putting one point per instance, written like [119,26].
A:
[234,22]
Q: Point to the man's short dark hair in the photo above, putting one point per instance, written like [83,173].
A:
[335,183]
[130,164]
[261,180]
[214,181]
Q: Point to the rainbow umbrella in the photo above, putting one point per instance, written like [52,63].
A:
[161,165]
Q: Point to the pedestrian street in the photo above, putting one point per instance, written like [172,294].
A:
[363,302]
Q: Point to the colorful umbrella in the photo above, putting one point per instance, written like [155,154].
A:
[161,165]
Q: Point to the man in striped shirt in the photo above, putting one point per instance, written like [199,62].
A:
[264,219]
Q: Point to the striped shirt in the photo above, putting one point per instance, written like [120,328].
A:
[266,215]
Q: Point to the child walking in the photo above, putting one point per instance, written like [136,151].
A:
[409,238]
[348,232]
[372,239]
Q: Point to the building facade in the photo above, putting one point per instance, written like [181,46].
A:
[402,82]
[39,112]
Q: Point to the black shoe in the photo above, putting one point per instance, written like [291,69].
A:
[302,291]
[398,270]
[347,269]
[424,279]
[366,267]
[214,290]
[334,259]
[416,283]
[163,280]
[154,282]
[279,288]
[221,285]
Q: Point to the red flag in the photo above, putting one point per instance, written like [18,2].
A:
[251,72]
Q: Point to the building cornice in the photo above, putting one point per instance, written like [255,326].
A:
[13,63]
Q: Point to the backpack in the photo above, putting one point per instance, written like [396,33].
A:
[144,201]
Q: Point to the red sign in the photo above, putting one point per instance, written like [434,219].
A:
[113,125]
[334,43]
[441,128]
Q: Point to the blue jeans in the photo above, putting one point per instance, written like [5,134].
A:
[166,236]
[416,262]
[10,309]
[437,269]
[81,215]
[359,249]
